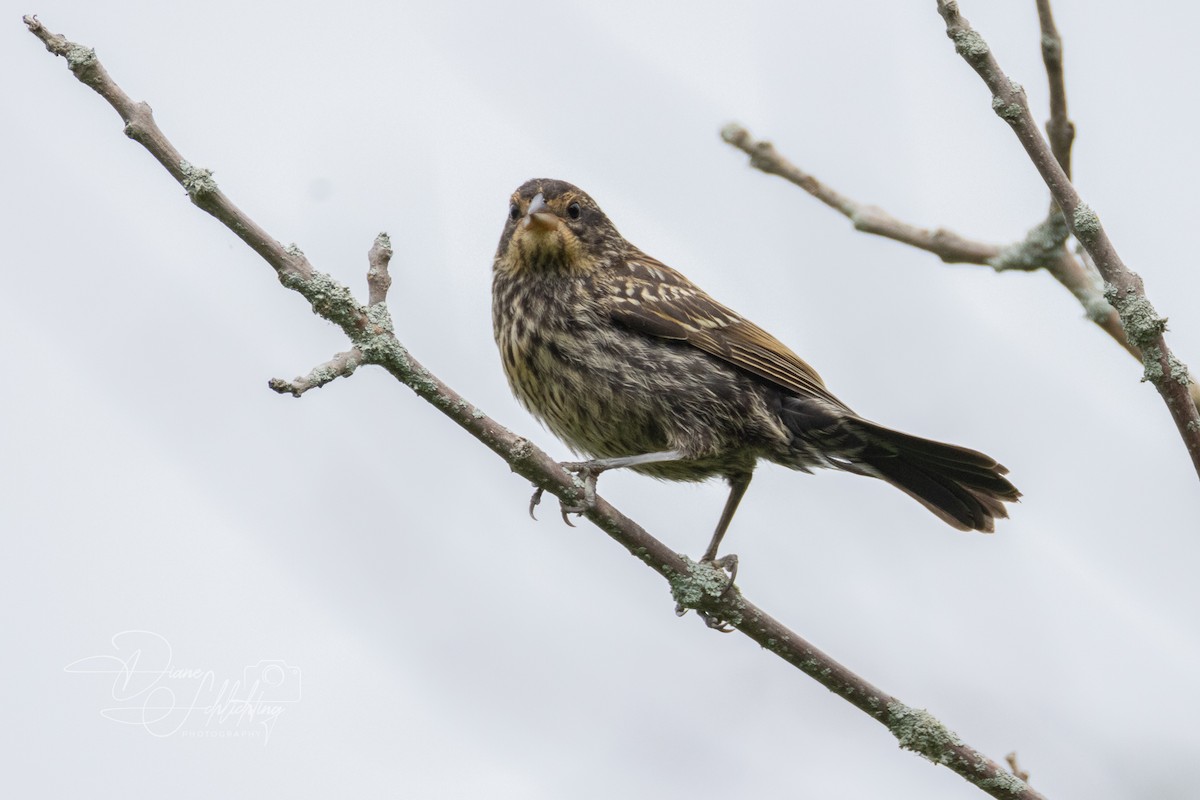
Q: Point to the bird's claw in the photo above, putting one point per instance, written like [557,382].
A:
[565,509]
[536,499]
[538,491]
[716,623]
[587,472]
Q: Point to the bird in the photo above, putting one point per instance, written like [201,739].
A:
[634,366]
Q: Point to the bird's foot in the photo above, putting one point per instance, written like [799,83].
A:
[727,566]
[587,471]
[715,622]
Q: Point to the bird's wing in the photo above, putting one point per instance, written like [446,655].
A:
[651,298]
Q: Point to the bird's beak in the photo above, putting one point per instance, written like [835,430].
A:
[539,216]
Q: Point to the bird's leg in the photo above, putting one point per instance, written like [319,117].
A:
[737,489]
[588,471]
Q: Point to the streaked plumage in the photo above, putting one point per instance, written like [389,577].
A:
[622,356]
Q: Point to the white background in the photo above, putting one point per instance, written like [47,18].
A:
[448,645]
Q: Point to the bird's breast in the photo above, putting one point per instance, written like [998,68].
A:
[608,391]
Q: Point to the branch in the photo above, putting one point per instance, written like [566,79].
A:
[693,585]
[340,366]
[1059,127]
[1011,758]
[946,245]
[1123,288]
[1042,248]
[379,280]
[343,364]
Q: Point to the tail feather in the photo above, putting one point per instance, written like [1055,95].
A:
[963,487]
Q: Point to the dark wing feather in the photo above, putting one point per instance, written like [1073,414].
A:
[651,298]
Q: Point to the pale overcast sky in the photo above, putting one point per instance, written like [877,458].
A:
[372,569]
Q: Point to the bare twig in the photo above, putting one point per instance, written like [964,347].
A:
[1059,128]
[379,280]
[340,366]
[1011,758]
[693,585]
[946,245]
[1123,288]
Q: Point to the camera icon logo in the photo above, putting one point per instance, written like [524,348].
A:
[272,681]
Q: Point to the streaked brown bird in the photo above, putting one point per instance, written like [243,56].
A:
[631,364]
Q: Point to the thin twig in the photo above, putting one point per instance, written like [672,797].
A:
[1079,275]
[340,366]
[1011,758]
[1059,128]
[379,280]
[693,585]
[946,245]
[1123,288]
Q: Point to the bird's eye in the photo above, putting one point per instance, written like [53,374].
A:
[514,212]
[573,211]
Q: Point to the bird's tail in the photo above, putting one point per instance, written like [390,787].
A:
[964,487]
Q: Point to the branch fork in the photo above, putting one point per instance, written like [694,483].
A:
[1096,276]
[379,280]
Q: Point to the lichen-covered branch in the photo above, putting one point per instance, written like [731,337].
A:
[1042,248]
[379,281]
[1123,288]
[369,327]
[340,366]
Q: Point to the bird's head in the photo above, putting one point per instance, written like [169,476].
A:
[554,227]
